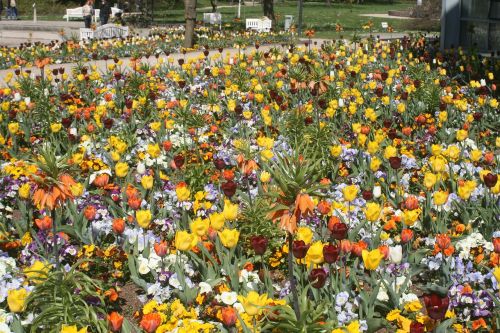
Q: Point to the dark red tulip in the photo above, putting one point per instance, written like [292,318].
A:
[367,194]
[219,163]
[416,327]
[436,306]
[339,231]
[259,244]
[229,188]
[66,122]
[179,160]
[319,276]
[108,123]
[299,249]
[490,180]
[331,253]
[395,162]
[477,116]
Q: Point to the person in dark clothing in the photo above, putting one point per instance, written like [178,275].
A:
[105,12]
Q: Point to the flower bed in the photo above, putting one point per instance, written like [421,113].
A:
[303,189]
[160,41]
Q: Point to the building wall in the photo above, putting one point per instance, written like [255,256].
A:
[471,23]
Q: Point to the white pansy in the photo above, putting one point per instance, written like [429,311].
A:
[229,297]
[205,288]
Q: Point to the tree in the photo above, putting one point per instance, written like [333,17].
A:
[268,6]
[190,16]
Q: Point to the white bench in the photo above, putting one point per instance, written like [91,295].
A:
[260,25]
[77,13]
[104,31]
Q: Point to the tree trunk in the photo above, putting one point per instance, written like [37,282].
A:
[213,3]
[268,6]
[190,16]
[329,2]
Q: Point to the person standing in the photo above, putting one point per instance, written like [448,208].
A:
[105,12]
[88,12]
[13,9]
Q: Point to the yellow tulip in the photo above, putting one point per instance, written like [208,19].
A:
[430,180]
[38,271]
[121,169]
[183,193]
[315,253]
[350,192]
[72,329]
[200,226]
[265,177]
[13,128]
[253,303]
[335,151]
[16,299]
[371,259]
[147,182]
[143,218]
[440,197]
[390,151]
[229,237]
[305,234]
[24,191]
[184,241]
[475,155]
[217,221]
[496,273]
[438,163]
[230,211]
[375,164]
[462,135]
[154,150]
[411,216]
[372,211]
[56,127]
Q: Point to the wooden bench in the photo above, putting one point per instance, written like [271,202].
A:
[260,25]
[105,31]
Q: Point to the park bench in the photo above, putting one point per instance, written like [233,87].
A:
[260,25]
[105,31]
[77,13]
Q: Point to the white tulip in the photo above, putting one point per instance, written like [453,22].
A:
[396,254]
[377,191]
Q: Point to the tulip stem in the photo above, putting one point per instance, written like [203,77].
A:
[293,286]
[54,238]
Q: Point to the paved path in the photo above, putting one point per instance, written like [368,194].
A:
[387,16]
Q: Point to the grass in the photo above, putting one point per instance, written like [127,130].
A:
[317,15]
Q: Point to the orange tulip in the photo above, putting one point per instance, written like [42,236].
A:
[44,223]
[150,322]
[118,226]
[89,212]
[115,321]
[101,180]
[229,316]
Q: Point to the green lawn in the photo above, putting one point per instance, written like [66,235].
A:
[317,15]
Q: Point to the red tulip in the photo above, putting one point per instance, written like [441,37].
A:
[395,162]
[416,327]
[331,253]
[406,235]
[490,180]
[161,248]
[229,188]
[339,231]
[436,306]
[299,249]
[229,316]
[318,275]
[259,244]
